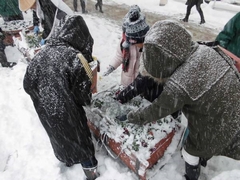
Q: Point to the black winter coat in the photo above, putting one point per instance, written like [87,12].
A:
[194,2]
[59,87]
[49,10]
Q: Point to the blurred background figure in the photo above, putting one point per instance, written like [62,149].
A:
[99,5]
[190,4]
[9,10]
[83,6]
[3,57]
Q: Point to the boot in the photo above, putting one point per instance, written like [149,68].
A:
[11,64]
[185,19]
[96,7]
[101,9]
[192,172]
[201,16]
[91,173]
[202,21]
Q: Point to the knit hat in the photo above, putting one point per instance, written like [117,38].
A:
[166,46]
[136,30]
[132,15]
[25,5]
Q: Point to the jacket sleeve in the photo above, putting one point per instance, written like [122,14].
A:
[81,86]
[117,60]
[172,99]
[230,30]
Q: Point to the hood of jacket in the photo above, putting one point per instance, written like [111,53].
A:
[167,45]
[73,31]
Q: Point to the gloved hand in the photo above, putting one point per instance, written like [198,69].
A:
[134,117]
[36,30]
[130,116]
[42,42]
[122,118]
[110,70]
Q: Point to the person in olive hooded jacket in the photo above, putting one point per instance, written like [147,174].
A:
[229,37]
[201,81]
[59,87]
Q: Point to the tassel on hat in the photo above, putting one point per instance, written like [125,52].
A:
[25,5]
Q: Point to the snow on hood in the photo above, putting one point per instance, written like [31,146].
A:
[74,31]
[167,45]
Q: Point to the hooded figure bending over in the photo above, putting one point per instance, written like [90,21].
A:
[202,82]
[59,88]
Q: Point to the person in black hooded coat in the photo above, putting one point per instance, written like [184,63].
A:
[59,88]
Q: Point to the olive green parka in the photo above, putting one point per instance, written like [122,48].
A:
[204,84]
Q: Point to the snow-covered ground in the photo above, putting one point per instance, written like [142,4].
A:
[25,150]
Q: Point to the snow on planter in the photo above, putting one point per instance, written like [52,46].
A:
[139,147]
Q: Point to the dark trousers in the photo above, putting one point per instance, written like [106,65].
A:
[82,2]
[99,4]
[198,7]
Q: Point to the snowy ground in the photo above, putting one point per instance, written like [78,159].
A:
[25,150]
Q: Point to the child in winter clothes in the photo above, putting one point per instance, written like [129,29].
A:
[59,87]
[129,49]
[210,103]
[229,37]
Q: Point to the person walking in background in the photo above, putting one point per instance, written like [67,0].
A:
[59,87]
[229,37]
[99,5]
[9,10]
[50,12]
[3,57]
[83,6]
[190,4]
[129,50]
[210,103]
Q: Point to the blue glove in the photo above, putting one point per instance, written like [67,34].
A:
[36,30]
[122,118]
[42,42]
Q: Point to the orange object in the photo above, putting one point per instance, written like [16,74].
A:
[130,160]
[94,80]
[233,56]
